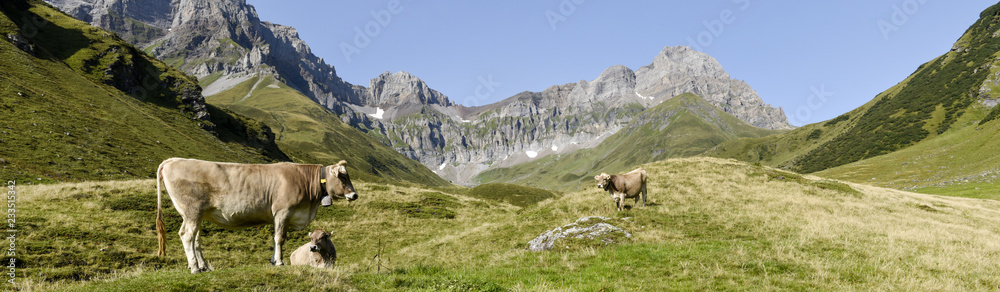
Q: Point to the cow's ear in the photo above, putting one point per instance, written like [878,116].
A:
[597,177]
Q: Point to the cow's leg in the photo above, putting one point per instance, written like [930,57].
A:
[188,232]
[280,221]
[202,263]
[644,194]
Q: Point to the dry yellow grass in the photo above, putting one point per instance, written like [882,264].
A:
[711,224]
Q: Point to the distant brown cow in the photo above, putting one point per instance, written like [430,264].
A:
[624,186]
[244,195]
[319,252]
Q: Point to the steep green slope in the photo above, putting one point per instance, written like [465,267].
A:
[964,161]
[710,225]
[65,116]
[308,133]
[685,125]
[925,105]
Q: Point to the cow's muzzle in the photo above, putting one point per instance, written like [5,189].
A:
[352,196]
[314,248]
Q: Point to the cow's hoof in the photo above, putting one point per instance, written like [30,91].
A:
[278,263]
[201,269]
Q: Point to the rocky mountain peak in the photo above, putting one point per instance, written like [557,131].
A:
[679,70]
[683,59]
[615,85]
[400,88]
[618,75]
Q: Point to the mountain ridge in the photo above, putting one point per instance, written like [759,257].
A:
[224,43]
[682,126]
[462,141]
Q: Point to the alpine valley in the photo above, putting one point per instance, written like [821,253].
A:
[898,194]
[235,54]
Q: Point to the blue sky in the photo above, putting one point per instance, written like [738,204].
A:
[815,59]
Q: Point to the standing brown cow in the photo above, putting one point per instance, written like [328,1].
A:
[624,186]
[244,195]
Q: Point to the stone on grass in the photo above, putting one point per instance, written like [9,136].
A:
[593,228]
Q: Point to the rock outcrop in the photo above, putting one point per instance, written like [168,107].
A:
[400,89]
[594,230]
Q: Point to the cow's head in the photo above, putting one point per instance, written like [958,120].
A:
[603,181]
[316,239]
[338,184]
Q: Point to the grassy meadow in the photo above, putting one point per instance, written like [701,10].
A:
[711,224]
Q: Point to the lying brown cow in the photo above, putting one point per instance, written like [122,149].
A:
[319,252]
[244,195]
[624,186]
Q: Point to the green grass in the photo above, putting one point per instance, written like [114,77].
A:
[977,190]
[516,195]
[430,205]
[710,224]
[236,278]
[211,78]
[309,133]
[953,163]
[63,121]
[683,126]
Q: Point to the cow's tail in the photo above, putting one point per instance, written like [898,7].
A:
[161,230]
